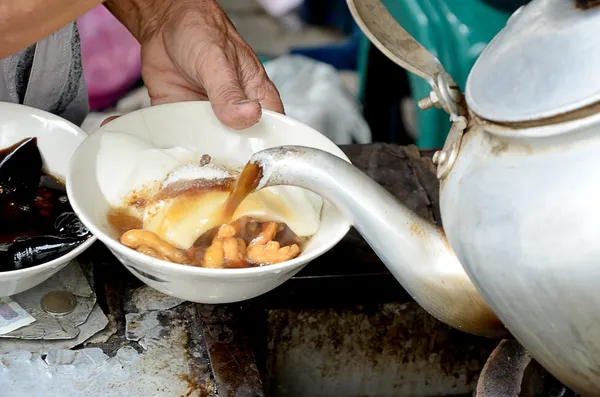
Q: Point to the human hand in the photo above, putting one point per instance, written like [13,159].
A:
[191,51]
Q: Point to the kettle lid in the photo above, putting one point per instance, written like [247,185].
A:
[545,62]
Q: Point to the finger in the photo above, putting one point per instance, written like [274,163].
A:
[172,87]
[238,114]
[258,85]
[108,120]
[176,95]
[270,99]
[227,97]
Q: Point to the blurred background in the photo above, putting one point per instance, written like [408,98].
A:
[329,76]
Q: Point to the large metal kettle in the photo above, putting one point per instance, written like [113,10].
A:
[520,187]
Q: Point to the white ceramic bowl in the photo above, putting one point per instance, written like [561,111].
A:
[57,141]
[193,125]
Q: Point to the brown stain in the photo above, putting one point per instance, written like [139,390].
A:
[120,221]
[137,198]
[498,146]
[444,238]
[463,306]
[203,390]
[376,335]
[487,323]
[458,293]
[229,346]
[193,188]
[586,4]
[198,381]
[580,113]
[140,198]
[417,230]
[139,203]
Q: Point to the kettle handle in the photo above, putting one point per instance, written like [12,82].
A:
[397,44]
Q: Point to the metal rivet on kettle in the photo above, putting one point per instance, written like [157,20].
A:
[425,103]
[439,157]
[429,102]
[59,303]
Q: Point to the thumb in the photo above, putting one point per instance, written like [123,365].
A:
[229,101]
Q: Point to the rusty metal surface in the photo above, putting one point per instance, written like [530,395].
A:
[50,332]
[70,279]
[219,362]
[511,372]
[144,317]
[152,345]
[95,323]
[230,351]
[388,350]
[161,367]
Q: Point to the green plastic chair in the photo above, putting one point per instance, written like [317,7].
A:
[456,31]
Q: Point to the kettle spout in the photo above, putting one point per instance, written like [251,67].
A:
[415,251]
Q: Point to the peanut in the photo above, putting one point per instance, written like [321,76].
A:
[136,238]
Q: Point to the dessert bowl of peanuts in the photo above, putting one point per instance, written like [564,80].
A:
[168,190]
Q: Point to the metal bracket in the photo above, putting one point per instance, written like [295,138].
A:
[445,94]
[383,30]
[445,158]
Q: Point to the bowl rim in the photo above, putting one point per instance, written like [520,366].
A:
[174,268]
[80,135]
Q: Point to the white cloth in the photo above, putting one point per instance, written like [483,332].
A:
[313,93]
[279,8]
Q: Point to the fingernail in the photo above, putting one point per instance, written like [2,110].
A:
[243,102]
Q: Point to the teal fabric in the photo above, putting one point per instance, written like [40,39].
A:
[264,59]
[456,31]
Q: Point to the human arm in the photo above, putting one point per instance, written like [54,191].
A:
[25,22]
[191,51]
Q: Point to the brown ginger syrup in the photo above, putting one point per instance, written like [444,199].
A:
[243,186]
[248,228]
[121,221]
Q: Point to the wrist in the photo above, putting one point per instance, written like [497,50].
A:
[143,18]
[140,17]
